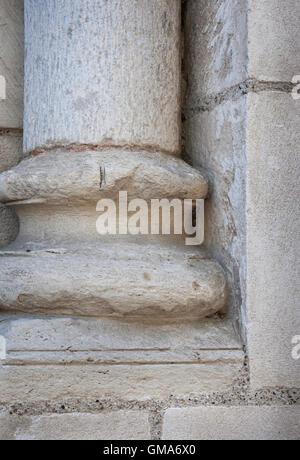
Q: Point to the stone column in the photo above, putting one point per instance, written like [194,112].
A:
[102,73]
[102,115]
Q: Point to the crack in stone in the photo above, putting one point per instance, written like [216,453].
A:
[102,177]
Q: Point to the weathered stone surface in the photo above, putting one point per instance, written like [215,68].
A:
[215,47]
[9,226]
[12,62]
[233,423]
[11,152]
[122,425]
[74,177]
[134,357]
[9,424]
[10,155]
[126,382]
[215,141]
[124,91]
[83,341]
[274,39]
[273,239]
[90,334]
[114,281]
[102,341]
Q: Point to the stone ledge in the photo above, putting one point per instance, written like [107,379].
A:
[29,334]
[110,357]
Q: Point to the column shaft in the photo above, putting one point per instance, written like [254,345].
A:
[102,73]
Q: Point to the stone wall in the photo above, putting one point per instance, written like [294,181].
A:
[105,379]
[215,130]
[240,126]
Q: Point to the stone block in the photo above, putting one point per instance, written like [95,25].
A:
[90,334]
[9,226]
[11,152]
[58,358]
[121,425]
[215,141]
[273,141]
[233,423]
[215,47]
[36,383]
[274,39]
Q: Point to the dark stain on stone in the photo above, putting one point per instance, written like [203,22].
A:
[196,286]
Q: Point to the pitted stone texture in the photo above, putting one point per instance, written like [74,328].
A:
[133,281]
[215,130]
[233,423]
[89,334]
[68,176]
[273,239]
[215,141]
[111,76]
[10,155]
[9,226]
[122,425]
[215,47]
[80,341]
[132,357]
[126,382]
[274,39]
[12,62]
[9,425]
[11,152]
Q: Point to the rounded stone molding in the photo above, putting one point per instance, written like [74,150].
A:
[134,281]
[85,177]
